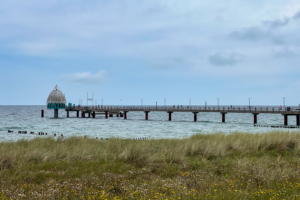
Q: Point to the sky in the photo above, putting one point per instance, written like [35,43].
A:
[152,50]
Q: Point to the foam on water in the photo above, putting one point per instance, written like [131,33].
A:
[28,118]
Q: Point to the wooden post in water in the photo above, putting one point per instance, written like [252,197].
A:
[255,117]
[146,115]
[285,119]
[42,113]
[170,116]
[223,117]
[55,113]
[195,116]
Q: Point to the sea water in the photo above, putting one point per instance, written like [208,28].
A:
[28,118]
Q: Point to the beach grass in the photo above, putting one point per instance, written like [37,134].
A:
[204,166]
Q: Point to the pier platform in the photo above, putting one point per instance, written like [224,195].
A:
[223,110]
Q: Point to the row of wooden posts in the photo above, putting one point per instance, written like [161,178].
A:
[124,114]
[39,133]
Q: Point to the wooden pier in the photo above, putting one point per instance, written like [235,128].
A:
[223,110]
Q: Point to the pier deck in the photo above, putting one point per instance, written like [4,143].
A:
[193,109]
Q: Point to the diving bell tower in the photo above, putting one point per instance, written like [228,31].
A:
[56,100]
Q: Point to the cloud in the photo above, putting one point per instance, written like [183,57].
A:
[252,33]
[256,34]
[297,16]
[166,64]
[225,59]
[284,53]
[276,23]
[85,77]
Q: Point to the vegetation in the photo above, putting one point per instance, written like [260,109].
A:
[214,166]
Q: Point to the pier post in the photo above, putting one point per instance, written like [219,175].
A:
[223,117]
[285,119]
[42,113]
[170,116]
[106,115]
[195,116]
[67,113]
[125,114]
[55,113]
[255,117]
[77,113]
[89,114]
[83,114]
[298,120]
[94,114]
[146,115]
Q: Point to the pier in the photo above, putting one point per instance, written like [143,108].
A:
[56,100]
[223,110]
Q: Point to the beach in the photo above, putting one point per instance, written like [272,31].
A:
[203,166]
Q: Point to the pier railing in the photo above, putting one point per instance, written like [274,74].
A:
[234,109]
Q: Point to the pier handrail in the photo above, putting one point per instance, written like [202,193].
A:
[187,108]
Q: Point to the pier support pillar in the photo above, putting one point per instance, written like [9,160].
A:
[298,120]
[125,114]
[55,113]
[42,113]
[83,114]
[94,114]
[77,113]
[106,115]
[223,117]
[195,116]
[146,115]
[170,116]
[285,119]
[89,114]
[67,113]
[255,117]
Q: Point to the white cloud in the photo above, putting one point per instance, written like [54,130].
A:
[284,53]
[225,59]
[274,24]
[152,31]
[85,77]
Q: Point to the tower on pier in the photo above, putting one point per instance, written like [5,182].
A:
[56,100]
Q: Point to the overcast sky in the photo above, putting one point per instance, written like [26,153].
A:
[151,50]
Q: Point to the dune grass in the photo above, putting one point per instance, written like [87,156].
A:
[204,166]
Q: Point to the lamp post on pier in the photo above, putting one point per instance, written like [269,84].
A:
[249,104]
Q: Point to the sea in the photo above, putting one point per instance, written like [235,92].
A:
[28,118]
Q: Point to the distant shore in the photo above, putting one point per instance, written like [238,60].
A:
[204,166]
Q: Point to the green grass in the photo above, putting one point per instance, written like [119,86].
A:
[204,166]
